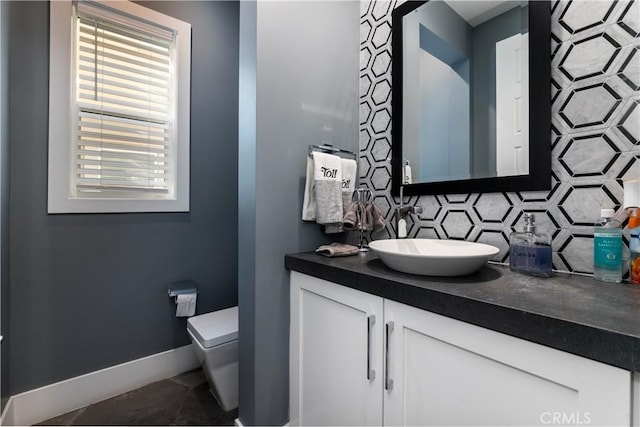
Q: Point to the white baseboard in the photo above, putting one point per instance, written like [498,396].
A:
[7,414]
[46,402]
[238,423]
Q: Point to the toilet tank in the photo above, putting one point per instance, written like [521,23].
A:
[215,328]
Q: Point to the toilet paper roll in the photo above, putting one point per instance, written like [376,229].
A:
[186,305]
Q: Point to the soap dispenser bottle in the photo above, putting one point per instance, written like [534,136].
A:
[607,248]
[634,245]
[530,251]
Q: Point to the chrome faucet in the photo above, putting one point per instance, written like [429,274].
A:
[401,214]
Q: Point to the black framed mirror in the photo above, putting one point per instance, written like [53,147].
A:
[471,96]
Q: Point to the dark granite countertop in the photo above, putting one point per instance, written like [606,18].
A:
[576,314]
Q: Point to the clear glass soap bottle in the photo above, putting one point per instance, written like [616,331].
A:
[530,251]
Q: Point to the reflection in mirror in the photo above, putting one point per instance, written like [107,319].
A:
[472,116]
[464,95]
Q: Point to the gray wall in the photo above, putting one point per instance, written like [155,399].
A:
[299,86]
[247,144]
[89,291]
[4,201]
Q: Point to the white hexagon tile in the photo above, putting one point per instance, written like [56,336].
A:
[595,136]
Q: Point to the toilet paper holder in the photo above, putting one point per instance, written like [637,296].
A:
[182,287]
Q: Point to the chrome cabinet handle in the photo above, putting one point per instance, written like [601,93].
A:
[371,374]
[388,382]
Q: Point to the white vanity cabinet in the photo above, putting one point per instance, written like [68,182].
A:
[413,367]
[447,372]
[335,354]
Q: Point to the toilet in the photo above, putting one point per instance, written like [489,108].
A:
[215,340]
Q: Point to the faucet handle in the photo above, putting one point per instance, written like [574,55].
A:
[417,210]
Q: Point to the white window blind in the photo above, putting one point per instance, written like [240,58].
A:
[124,130]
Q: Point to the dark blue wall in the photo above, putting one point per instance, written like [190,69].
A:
[89,291]
[4,200]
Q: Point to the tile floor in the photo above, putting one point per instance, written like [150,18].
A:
[181,400]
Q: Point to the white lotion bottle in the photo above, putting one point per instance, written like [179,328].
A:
[407,173]
[402,228]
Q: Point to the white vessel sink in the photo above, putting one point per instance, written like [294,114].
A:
[433,257]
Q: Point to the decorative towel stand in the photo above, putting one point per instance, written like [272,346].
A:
[362,196]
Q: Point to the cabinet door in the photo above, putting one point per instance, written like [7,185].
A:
[447,372]
[335,354]
[635,404]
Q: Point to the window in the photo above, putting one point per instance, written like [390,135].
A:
[118,109]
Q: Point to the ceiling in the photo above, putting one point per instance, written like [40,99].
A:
[476,12]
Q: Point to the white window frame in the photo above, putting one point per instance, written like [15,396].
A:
[62,115]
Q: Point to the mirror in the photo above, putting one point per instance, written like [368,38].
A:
[471,96]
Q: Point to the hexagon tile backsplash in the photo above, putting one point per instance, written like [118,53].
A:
[595,135]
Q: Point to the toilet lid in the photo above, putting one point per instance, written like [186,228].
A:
[215,328]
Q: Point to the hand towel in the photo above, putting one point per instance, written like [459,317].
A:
[371,219]
[337,249]
[351,215]
[349,177]
[309,200]
[327,174]
[377,219]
